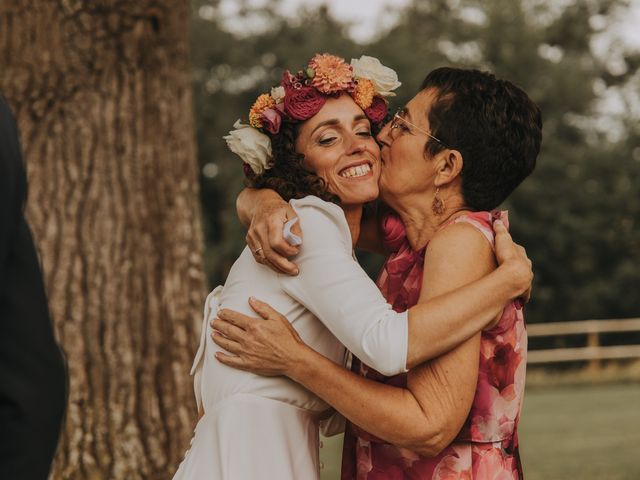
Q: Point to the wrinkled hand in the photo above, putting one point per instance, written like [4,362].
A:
[265,238]
[513,257]
[267,346]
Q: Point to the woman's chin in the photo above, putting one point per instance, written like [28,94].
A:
[360,198]
[356,191]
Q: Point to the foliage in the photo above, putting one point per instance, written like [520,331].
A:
[577,215]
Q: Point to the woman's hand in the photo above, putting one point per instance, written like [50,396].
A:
[513,258]
[265,236]
[267,346]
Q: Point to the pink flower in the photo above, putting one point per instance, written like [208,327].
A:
[301,102]
[377,111]
[450,469]
[502,366]
[271,120]
[490,464]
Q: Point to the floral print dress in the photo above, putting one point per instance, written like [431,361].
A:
[487,446]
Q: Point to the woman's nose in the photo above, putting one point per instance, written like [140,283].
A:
[357,145]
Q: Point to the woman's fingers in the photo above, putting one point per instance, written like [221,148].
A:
[523,253]
[263,309]
[503,241]
[231,360]
[228,329]
[226,343]
[236,318]
[276,237]
[267,243]
[509,251]
[256,249]
[266,345]
[499,227]
[242,363]
[278,249]
[280,264]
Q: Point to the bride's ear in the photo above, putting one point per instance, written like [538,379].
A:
[449,167]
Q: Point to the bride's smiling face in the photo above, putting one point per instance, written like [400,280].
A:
[338,146]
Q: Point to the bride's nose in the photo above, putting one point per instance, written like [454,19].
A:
[357,145]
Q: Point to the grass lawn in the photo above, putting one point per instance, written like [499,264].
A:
[588,432]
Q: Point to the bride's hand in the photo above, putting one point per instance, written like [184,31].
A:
[265,236]
[513,257]
[266,346]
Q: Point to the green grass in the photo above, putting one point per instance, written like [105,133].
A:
[587,432]
[582,432]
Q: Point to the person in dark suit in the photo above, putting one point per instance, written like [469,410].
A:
[33,377]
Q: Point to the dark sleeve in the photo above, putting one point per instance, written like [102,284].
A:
[12,182]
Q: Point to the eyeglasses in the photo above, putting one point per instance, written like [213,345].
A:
[398,120]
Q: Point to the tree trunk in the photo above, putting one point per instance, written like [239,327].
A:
[101,91]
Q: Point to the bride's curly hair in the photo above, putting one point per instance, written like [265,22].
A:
[287,176]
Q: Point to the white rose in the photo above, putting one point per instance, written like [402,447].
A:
[251,145]
[384,78]
[277,93]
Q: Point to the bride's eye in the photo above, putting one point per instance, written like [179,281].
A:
[326,140]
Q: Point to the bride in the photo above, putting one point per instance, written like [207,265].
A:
[310,139]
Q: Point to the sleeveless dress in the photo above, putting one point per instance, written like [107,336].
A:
[257,427]
[487,446]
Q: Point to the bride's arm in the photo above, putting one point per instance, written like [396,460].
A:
[425,416]
[263,212]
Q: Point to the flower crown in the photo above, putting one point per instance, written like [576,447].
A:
[299,97]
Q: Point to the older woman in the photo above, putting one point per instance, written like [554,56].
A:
[455,152]
[310,140]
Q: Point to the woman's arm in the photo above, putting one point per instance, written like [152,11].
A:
[425,416]
[326,287]
[438,324]
[264,212]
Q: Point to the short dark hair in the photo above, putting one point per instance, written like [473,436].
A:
[494,125]
[288,176]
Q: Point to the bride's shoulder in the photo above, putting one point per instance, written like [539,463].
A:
[321,220]
[312,206]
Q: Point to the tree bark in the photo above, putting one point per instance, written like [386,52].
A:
[101,92]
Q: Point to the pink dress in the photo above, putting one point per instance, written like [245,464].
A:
[487,446]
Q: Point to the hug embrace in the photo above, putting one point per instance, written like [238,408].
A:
[423,370]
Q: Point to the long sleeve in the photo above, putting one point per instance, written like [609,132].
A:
[333,286]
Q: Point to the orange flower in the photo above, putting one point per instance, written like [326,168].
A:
[331,74]
[364,93]
[262,103]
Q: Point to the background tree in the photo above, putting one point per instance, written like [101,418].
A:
[102,95]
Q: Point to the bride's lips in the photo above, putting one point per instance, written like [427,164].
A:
[356,170]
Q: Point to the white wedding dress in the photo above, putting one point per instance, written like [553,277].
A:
[258,427]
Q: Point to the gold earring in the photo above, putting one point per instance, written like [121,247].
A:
[438,204]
